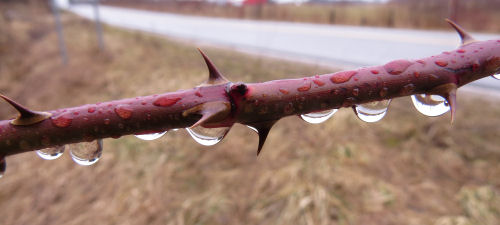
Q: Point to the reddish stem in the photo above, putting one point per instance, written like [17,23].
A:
[257,104]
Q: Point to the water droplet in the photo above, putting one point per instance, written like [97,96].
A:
[318,117]
[3,167]
[319,83]
[306,87]
[373,111]
[284,91]
[166,101]
[441,63]
[62,120]
[123,111]
[150,137]
[342,77]
[496,76]
[86,153]
[51,153]
[421,61]
[208,136]
[430,105]
[397,67]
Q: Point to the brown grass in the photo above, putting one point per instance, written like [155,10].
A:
[406,169]
[478,15]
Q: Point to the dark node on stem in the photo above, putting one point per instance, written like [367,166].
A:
[464,35]
[214,76]
[239,88]
[26,116]
[262,130]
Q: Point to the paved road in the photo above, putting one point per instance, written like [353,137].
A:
[344,46]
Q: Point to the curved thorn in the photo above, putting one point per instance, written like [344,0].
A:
[262,130]
[203,119]
[26,116]
[210,112]
[449,92]
[23,111]
[464,35]
[214,76]
[451,98]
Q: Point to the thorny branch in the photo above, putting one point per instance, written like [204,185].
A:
[220,103]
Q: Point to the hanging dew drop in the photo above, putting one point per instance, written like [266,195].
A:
[318,117]
[86,153]
[208,136]
[150,137]
[51,153]
[373,111]
[3,167]
[430,105]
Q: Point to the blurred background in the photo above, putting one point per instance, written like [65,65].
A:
[405,169]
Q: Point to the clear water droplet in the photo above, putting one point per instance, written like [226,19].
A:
[496,76]
[86,153]
[3,167]
[208,136]
[150,137]
[373,111]
[253,128]
[430,105]
[318,117]
[51,153]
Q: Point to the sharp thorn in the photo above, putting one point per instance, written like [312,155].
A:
[23,111]
[26,116]
[262,130]
[203,119]
[214,76]
[451,98]
[210,112]
[449,92]
[464,35]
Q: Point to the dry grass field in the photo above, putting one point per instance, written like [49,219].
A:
[477,15]
[406,169]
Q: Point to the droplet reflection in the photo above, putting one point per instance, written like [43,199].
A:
[430,105]
[253,128]
[150,137]
[208,136]
[51,153]
[318,117]
[86,153]
[373,111]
